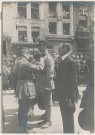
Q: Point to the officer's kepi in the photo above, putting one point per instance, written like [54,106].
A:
[43,43]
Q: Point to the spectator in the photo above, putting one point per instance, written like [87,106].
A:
[86,116]
[66,86]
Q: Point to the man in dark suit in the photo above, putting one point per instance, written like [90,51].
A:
[66,86]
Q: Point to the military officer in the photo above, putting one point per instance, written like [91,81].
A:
[25,89]
[45,82]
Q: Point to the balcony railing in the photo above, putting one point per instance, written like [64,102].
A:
[51,37]
[82,34]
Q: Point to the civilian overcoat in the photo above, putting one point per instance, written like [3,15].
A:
[66,79]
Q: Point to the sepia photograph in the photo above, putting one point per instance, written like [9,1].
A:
[47,67]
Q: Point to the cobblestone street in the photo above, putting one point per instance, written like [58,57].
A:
[11,123]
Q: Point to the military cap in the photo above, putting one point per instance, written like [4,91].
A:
[43,42]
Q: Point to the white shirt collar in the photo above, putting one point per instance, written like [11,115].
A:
[64,56]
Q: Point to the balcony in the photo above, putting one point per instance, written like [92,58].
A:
[61,38]
[82,37]
[82,34]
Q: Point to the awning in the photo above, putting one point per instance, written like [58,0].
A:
[25,44]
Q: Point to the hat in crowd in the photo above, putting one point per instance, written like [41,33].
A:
[43,42]
[14,56]
[24,50]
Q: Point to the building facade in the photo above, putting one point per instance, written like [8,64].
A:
[29,22]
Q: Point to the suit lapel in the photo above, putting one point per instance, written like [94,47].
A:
[65,61]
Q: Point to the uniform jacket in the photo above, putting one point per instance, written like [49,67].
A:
[45,77]
[25,88]
[66,79]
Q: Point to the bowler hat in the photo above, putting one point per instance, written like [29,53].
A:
[84,120]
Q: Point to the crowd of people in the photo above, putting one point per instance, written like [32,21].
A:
[9,69]
[8,72]
[82,59]
[43,79]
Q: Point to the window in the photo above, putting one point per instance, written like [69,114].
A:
[35,10]
[52,27]
[83,21]
[35,36]
[22,9]
[22,34]
[80,11]
[52,10]
[66,10]
[66,28]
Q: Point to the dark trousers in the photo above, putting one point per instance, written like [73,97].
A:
[67,119]
[22,112]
